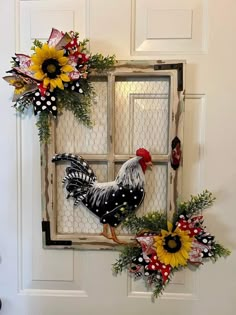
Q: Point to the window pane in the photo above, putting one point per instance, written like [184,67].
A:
[73,136]
[155,188]
[64,140]
[141,114]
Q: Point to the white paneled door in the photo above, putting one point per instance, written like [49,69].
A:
[36,281]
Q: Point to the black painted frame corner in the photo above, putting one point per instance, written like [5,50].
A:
[173,66]
[48,240]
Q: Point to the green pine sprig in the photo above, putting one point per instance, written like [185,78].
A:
[195,204]
[154,221]
[43,125]
[83,45]
[78,103]
[100,63]
[158,289]
[36,43]
[159,286]
[127,253]
[219,251]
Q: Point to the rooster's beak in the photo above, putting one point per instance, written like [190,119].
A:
[149,165]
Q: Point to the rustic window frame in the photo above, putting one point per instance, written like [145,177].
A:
[174,71]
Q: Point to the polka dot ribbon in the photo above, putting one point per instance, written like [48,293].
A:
[74,86]
[207,242]
[149,260]
[193,225]
[45,102]
[203,241]
[156,265]
[148,266]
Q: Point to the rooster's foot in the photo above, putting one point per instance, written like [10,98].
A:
[106,235]
[115,238]
[111,236]
[105,231]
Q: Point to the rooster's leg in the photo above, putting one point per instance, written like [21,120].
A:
[114,236]
[105,231]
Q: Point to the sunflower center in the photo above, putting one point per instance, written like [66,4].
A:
[18,84]
[51,67]
[172,243]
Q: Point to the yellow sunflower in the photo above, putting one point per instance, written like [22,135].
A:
[19,85]
[50,66]
[173,247]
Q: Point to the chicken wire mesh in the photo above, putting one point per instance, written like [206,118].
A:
[75,137]
[155,189]
[65,133]
[77,219]
[141,120]
[141,115]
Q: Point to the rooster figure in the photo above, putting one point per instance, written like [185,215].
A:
[113,201]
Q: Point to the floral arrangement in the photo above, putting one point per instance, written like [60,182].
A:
[56,77]
[162,247]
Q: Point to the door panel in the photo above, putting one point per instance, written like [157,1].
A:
[38,281]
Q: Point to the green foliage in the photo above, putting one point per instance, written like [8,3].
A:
[195,204]
[78,103]
[220,251]
[83,45]
[43,124]
[36,43]
[158,288]
[154,221]
[101,63]
[125,258]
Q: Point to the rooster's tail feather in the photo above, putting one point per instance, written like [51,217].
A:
[77,164]
[79,176]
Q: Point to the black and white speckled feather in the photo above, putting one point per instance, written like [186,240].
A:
[79,176]
[77,164]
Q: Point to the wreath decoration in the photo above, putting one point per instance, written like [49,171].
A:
[162,248]
[56,78]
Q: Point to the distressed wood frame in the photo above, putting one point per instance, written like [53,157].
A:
[175,72]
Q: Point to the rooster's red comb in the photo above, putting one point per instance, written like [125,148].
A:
[144,154]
